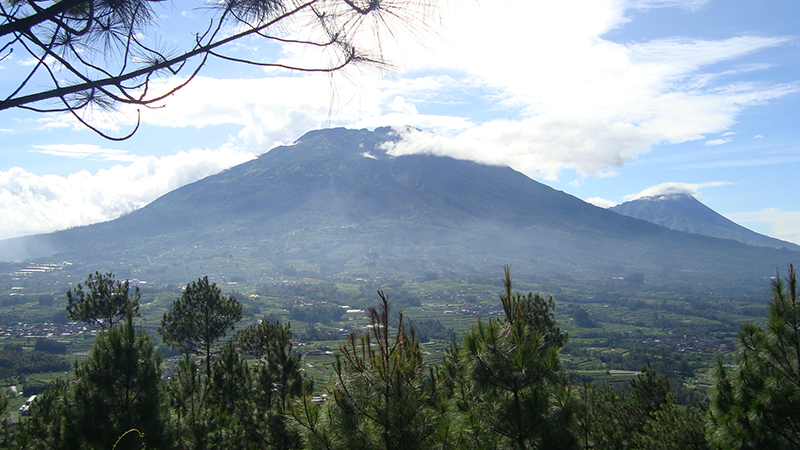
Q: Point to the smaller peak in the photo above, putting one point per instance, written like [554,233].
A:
[682,196]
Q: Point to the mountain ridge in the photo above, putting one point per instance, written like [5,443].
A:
[684,212]
[335,204]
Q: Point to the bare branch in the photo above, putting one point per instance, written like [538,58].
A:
[91,53]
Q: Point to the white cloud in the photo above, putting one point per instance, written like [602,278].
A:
[713,142]
[31,203]
[601,202]
[570,98]
[400,105]
[587,103]
[692,189]
[559,96]
[536,146]
[85,151]
[784,225]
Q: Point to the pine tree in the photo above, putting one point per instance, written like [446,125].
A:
[199,318]
[50,424]
[276,379]
[518,388]
[118,389]
[645,418]
[187,392]
[378,399]
[756,404]
[102,300]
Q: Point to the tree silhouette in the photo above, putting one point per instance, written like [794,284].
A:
[199,318]
[515,373]
[379,395]
[117,389]
[102,300]
[756,404]
[101,54]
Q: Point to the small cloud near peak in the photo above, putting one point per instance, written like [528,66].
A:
[601,202]
[674,188]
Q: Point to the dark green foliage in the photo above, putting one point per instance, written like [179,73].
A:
[46,300]
[14,361]
[117,389]
[428,329]
[646,418]
[50,346]
[314,333]
[321,313]
[278,372]
[199,318]
[378,398]
[239,406]
[102,300]
[317,292]
[756,404]
[187,391]
[11,300]
[517,387]
[49,420]
[501,387]
[227,401]
[7,433]
[582,319]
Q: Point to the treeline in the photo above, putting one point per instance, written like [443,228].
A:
[502,386]
[15,361]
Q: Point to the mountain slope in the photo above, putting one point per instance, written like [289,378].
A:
[335,204]
[683,212]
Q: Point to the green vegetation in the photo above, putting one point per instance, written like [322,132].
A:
[14,360]
[629,377]
[200,318]
[106,301]
[756,404]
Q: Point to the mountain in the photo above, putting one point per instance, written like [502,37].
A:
[683,212]
[335,204]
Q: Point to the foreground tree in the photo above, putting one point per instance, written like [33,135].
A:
[114,399]
[278,370]
[102,300]
[6,433]
[49,420]
[276,381]
[517,389]
[187,392]
[101,54]
[646,418]
[199,318]
[756,404]
[118,389]
[379,396]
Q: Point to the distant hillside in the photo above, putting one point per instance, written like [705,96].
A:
[683,212]
[336,205]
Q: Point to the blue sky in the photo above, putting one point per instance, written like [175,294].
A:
[603,99]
